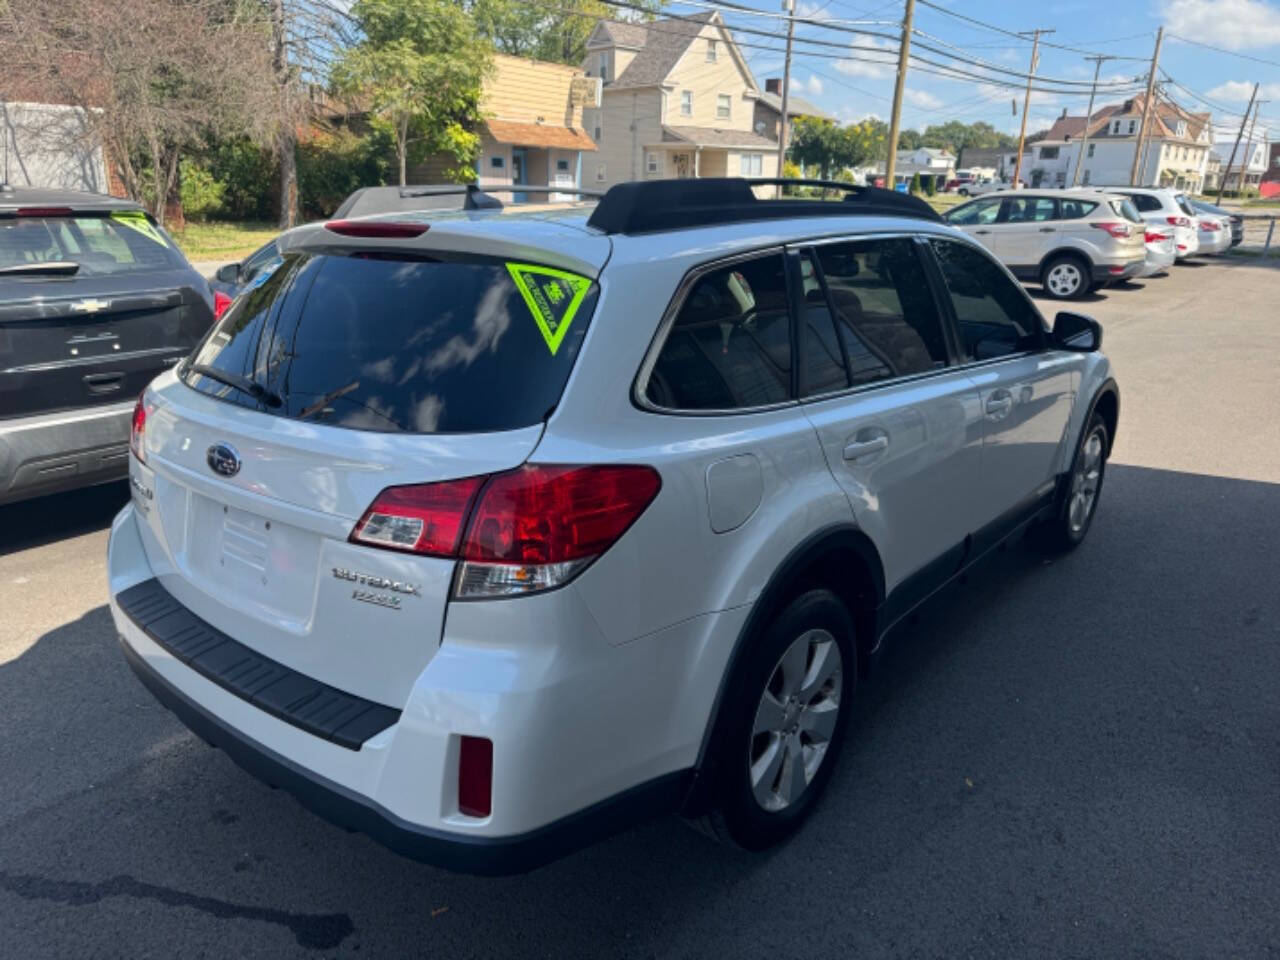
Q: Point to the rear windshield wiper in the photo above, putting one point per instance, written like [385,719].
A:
[243,384]
[58,268]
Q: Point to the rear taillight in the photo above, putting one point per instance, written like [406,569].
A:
[1117,230]
[475,777]
[1210,225]
[526,530]
[1153,237]
[1178,221]
[43,212]
[138,430]
[376,228]
[220,303]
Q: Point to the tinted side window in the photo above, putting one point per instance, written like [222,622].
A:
[995,318]
[1145,203]
[1028,210]
[1077,209]
[730,345]
[977,212]
[823,368]
[885,312]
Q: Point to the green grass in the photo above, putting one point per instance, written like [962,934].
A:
[945,201]
[223,241]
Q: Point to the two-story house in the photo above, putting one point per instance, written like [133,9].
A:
[678,100]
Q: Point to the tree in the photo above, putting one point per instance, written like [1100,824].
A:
[419,72]
[958,137]
[915,183]
[557,33]
[832,148]
[910,140]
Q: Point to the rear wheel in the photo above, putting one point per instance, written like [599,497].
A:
[1066,278]
[1079,499]
[786,713]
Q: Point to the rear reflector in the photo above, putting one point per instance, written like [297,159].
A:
[138,429]
[1115,270]
[220,303]
[376,228]
[527,530]
[475,777]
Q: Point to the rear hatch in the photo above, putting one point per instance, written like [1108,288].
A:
[92,307]
[358,370]
[1132,246]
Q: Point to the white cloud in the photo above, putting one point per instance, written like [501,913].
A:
[1234,24]
[994,92]
[867,63]
[814,85]
[1239,91]
[922,99]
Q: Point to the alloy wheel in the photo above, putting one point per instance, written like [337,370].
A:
[1064,279]
[795,720]
[1085,482]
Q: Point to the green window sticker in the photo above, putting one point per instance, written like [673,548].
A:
[552,296]
[137,220]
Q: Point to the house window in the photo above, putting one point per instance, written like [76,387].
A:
[1048,153]
[596,138]
[600,172]
[604,67]
[1132,125]
[751,164]
[711,51]
[1091,148]
[723,104]
[1086,178]
[686,103]
[562,166]
[497,162]
[652,163]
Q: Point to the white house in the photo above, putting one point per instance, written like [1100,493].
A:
[50,145]
[1254,165]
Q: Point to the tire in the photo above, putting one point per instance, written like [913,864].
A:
[1066,277]
[963,191]
[757,803]
[1073,516]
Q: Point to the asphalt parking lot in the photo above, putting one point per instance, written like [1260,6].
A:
[1077,759]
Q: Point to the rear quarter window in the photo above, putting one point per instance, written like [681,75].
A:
[101,245]
[401,344]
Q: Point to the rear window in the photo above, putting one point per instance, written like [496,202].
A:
[1185,206]
[1077,209]
[123,242]
[401,345]
[1126,209]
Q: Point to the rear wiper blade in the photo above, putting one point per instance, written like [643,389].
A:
[243,384]
[60,268]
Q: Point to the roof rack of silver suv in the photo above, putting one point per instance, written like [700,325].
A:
[650,206]
[452,196]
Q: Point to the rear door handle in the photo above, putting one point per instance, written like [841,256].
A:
[1048,229]
[100,383]
[999,403]
[858,449]
[981,233]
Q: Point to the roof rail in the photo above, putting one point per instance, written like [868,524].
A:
[371,200]
[650,206]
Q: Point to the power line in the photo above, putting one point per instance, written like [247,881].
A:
[1008,33]
[1230,53]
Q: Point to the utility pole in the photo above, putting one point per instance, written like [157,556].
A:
[1146,109]
[1088,119]
[1144,142]
[1026,102]
[789,6]
[1248,150]
[895,121]
[1222,184]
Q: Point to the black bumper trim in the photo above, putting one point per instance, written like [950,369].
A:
[491,856]
[313,706]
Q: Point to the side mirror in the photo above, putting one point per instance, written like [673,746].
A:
[230,273]
[1075,331]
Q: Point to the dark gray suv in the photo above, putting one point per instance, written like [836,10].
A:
[95,300]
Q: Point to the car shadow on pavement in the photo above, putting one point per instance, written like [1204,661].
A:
[1048,746]
[1052,305]
[33,523]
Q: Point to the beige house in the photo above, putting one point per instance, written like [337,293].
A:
[678,100]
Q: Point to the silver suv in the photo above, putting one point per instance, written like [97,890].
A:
[1069,241]
[490,533]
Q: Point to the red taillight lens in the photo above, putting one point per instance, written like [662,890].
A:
[1153,237]
[1178,221]
[44,212]
[475,777]
[376,228]
[425,519]
[137,431]
[220,303]
[529,529]
[1210,225]
[538,515]
[1117,230]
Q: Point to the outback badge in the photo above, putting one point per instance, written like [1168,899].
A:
[223,459]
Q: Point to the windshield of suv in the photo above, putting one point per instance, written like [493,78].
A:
[125,241]
[398,342]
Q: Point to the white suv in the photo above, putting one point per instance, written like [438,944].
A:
[1168,209]
[490,534]
[1069,241]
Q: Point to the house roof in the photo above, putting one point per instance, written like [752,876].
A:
[539,135]
[623,34]
[1163,126]
[796,106]
[715,137]
[663,44]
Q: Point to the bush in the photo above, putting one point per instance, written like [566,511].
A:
[915,183]
[331,165]
[250,179]
[931,186]
[201,193]
[792,171]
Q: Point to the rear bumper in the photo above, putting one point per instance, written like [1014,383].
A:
[52,452]
[1111,272]
[492,856]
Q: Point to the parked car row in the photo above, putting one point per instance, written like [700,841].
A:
[1075,241]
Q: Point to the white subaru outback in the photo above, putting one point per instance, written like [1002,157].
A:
[490,533]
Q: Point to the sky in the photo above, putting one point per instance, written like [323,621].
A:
[854,84]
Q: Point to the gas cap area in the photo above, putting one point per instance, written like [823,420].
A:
[735,487]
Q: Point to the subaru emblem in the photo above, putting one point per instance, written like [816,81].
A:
[223,459]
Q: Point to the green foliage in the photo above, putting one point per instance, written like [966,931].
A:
[931,187]
[555,32]
[200,191]
[956,137]
[331,166]
[832,148]
[910,140]
[791,171]
[418,70]
[915,183]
